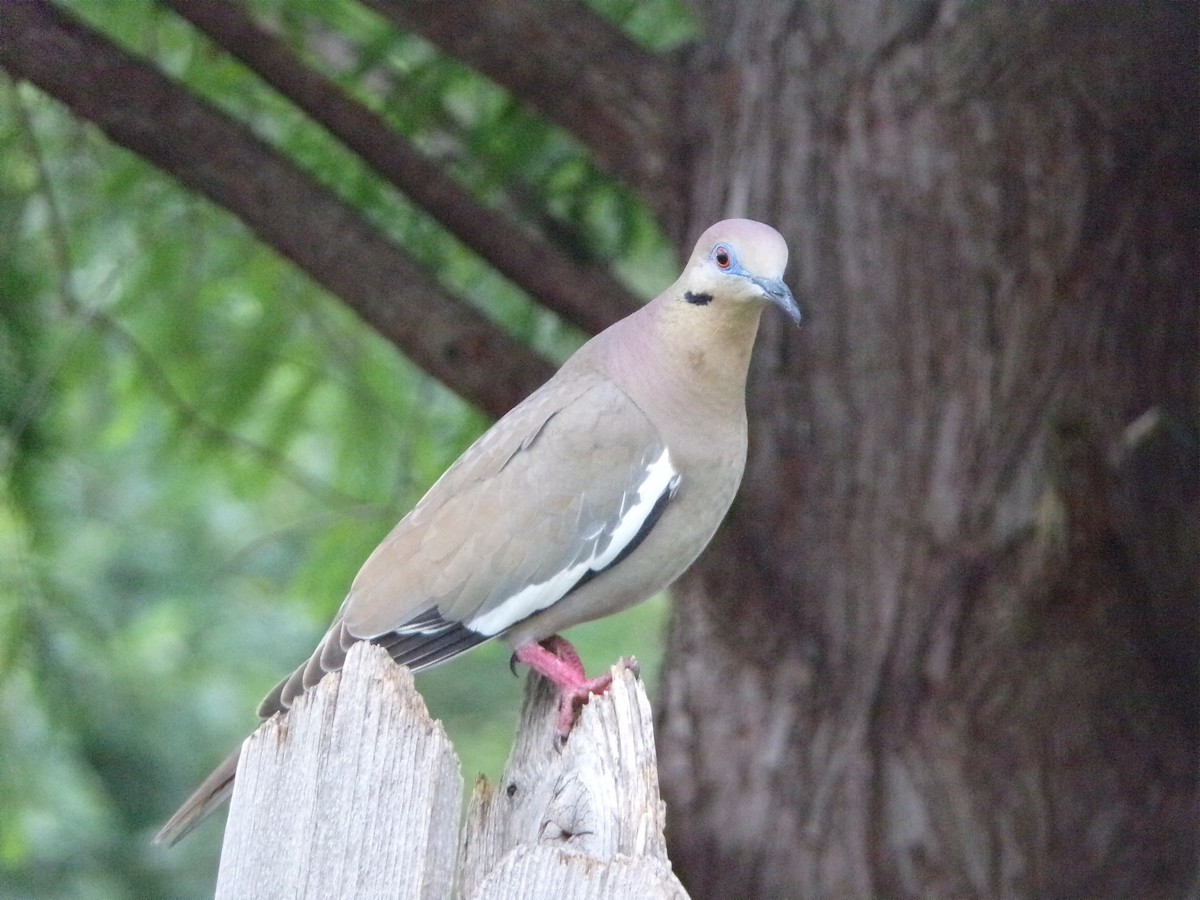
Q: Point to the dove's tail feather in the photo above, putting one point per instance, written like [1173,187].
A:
[213,791]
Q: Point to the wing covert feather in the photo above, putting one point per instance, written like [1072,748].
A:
[537,494]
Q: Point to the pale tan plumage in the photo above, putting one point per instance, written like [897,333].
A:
[591,495]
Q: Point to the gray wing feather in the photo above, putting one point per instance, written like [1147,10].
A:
[541,492]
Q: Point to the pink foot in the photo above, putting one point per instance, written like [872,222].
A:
[566,652]
[556,660]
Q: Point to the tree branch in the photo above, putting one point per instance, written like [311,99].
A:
[585,295]
[585,75]
[141,109]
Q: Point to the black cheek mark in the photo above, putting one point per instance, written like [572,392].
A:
[698,299]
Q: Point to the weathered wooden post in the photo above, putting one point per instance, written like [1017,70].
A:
[356,792]
[586,821]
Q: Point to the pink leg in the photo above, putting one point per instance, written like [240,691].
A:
[556,660]
[563,649]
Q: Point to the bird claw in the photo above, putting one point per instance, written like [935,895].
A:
[570,704]
[571,700]
[556,660]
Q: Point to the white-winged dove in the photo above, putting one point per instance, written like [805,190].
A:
[591,495]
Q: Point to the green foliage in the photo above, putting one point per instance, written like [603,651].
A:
[198,447]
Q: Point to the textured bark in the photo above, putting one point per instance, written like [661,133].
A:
[142,109]
[585,75]
[946,644]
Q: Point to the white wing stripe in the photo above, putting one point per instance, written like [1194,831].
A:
[660,477]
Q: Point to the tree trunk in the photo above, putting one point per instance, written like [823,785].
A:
[947,643]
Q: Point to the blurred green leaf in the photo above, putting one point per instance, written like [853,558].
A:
[198,447]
